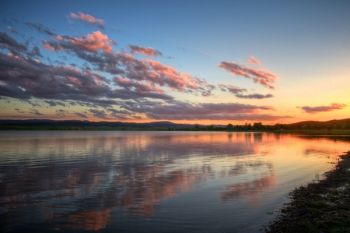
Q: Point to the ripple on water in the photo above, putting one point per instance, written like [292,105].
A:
[153,181]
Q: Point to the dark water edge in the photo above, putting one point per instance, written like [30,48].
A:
[319,207]
[332,127]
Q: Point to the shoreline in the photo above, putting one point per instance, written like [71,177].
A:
[318,207]
[320,132]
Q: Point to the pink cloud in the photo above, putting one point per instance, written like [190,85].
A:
[74,81]
[253,61]
[49,46]
[158,74]
[93,42]
[86,18]
[258,75]
[177,110]
[139,87]
[254,96]
[127,65]
[240,92]
[175,79]
[232,89]
[144,50]
[317,109]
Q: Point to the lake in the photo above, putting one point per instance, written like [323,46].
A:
[77,181]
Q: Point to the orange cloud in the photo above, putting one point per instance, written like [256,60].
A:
[239,92]
[48,46]
[317,109]
[257,74]
[175,79]
[138,86]
[94,42]
[93,220]
[253,61]
[144,50]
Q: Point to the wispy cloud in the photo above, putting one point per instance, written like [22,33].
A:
[326,108]
[253,61]
[110,84]
[92,42]
[41,28]
[165,74]
[254,96]
[138,86]
[99,113]
[11,44]
[232,89]
[251,71]
[239,92]
[35,112]
[81,115]
[178,110]
[53,103]
[61,113]
[144,51]
[87,18]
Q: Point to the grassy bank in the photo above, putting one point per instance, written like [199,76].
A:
[317,131]
[319,207]
[333,127]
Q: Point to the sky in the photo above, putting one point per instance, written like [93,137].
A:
[209,62]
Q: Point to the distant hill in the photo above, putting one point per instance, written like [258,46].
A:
[76,124]
[165,125]
[332,124]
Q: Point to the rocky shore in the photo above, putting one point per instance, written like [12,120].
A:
[320,207]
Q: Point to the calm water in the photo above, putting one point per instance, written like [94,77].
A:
[153,181]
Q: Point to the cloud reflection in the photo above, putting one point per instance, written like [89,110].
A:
[83,181]
[249,189]
[132,172]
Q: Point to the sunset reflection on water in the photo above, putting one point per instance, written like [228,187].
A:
[151,181]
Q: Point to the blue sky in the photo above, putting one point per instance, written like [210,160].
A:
[304,43]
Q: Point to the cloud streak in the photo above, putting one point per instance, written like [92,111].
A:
[254,96]
[41,28]
[178,110]
[138,86]
[135,49]
[93,42]
[253,61]
[86,18]
[9,43]
[258,74]
[239,92]
[327,108]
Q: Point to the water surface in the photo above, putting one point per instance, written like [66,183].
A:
[54,181]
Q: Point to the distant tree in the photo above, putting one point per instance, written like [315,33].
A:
[211,127]
[196,127]
[277,127]
[257,126]
[229,127]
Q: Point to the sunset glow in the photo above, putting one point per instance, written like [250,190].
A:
[185,62]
